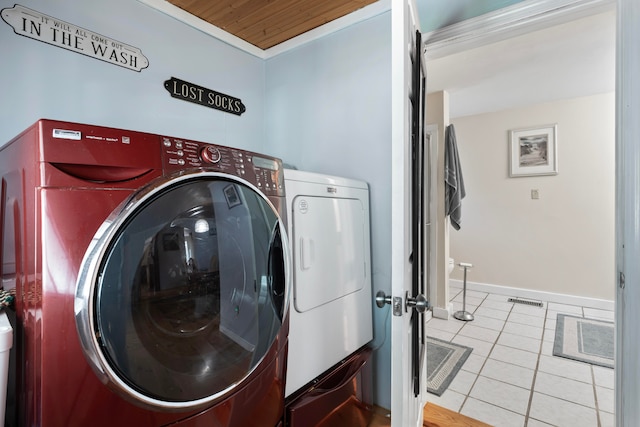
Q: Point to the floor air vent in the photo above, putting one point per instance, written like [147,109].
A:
[525,302]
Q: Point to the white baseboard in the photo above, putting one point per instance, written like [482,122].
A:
[442,313]
[536,295]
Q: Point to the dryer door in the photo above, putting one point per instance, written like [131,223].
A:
[183,291]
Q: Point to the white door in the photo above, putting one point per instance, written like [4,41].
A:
[408,347]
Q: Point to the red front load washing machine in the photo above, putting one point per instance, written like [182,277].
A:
[151,277]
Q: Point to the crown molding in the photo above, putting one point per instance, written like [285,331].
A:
[511,21]
[181,15]
[367,12]
[202,25]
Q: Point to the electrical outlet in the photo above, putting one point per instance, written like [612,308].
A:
[535,194]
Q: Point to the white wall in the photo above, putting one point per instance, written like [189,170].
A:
[44,81]
[438,117]
[563,242]
[328,111]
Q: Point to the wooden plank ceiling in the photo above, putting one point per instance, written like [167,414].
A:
[266,23]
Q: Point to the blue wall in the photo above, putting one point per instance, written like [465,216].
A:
[329,111]
[44,81]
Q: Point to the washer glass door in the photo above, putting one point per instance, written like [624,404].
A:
[184,292]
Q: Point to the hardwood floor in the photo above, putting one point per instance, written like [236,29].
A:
[437,416]
[380,417]
[434,416]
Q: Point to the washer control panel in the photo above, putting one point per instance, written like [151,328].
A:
[262,171]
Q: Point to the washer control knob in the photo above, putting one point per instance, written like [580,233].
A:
[211,155]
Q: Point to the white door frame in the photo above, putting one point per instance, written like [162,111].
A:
[627,384]
[406,410]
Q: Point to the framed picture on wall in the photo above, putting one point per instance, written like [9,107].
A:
[533,151]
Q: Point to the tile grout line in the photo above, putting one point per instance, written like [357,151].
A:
[593,381]
[530,389]
[486,358]
[540,350]
[466,396]
[535,371]
[595,396]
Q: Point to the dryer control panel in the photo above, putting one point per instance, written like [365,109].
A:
[262,171]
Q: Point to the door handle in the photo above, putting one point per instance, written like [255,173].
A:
[419,303]
[382,299]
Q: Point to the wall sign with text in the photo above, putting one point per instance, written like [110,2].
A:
[47,29]
[201,95]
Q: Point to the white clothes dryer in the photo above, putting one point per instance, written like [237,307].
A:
[331,310]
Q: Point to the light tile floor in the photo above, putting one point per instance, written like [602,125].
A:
[512,378]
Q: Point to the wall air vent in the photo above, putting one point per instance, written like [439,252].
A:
[526,302]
